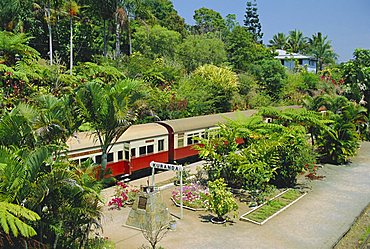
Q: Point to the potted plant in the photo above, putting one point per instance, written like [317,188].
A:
[221,200]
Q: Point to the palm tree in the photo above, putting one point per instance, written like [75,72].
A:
[122,20]
[321,49]
[126,11]
[297,43]
[108,109]
[279,41]
[72,9]
[105,10]
[49,122]
[47,11]
[16,127]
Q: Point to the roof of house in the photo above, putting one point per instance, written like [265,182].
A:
[283,54]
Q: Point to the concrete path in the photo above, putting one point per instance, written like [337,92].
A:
[318,220]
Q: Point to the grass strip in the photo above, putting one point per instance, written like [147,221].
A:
[273,206]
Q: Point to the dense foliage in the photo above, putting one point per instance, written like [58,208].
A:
[98,66]
[275,153]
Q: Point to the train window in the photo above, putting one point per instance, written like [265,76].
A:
[98,159]
[133,152]
[161,145]
[127,156]
[150,149]
[190,139]
[120,155]
[180,141]
[110,157]
[202,134]
[142,150]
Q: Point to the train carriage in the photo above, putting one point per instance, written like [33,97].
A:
[181,132]
[133,151]
[164,141]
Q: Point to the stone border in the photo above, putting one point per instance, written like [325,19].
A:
[274,214]
[186,207]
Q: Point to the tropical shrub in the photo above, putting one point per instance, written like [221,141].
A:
[123,195]
[341,144]
[341,139]
[221,200]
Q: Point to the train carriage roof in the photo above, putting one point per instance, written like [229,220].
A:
[142,131]
[207,121]
[86,140]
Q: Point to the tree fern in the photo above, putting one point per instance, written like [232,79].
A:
[11,216]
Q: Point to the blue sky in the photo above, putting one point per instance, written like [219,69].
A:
[345,22]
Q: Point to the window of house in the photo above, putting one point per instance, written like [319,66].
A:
[120,155]
[300,62]
[161,145]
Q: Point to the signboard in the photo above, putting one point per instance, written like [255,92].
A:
[165,166]
[142,202]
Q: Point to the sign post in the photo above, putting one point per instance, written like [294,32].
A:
[166,166]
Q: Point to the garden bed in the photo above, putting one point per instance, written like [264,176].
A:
[264,212]
[187,207]
[195,197]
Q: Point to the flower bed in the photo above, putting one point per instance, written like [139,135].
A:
[269,209]
[124,195]
[195,197]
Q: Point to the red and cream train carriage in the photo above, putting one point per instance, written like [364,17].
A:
[164,141]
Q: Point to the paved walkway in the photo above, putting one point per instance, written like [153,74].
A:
[318,220]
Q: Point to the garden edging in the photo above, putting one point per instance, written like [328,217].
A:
[274,214]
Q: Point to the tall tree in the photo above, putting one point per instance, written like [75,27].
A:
[198,50]
[126,12]
[46,9]
[279,41]
[156,41]
[242,49]
[166,15]
[231,22]
[103,9]
[252,21]
[321,49]
[208,20]
[72,9]
[297,43]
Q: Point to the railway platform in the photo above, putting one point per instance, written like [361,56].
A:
[318,220]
